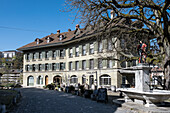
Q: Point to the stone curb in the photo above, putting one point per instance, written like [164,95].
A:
[140,108]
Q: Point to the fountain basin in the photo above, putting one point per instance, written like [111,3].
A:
[149,97]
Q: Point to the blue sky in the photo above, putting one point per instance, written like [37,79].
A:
[42,17]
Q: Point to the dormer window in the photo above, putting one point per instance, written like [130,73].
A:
[61,37]
[38,41]
[49,39]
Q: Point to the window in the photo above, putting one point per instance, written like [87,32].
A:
[48,39]
[83,79]
[40,80]
[46,67]
[100,63]
[91,48]
[84,50]
[77,51]
[40,55]
[70,66]
[100,46]
[91,80]
[71,53]
[91,64]
[54,54]
[33,67]
[40,67]
[46,54]
[77,65]
[27,67]
[74,79]
[109,64]
[62,66]
[105,80]
[28,56]
[62,53]
[53,66]
[84,64]
[109,44]
[34,56]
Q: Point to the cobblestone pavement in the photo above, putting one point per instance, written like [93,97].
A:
[50,101]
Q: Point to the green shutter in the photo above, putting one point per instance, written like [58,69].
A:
[74,65]
[43,66]
[80,49]
[87,63]
[57,65]
[50,53]
[31,56]
[50,66]
[57,53]
[104,43]
[113,62]
[80,64]
[43,54]
[30,68]
[104,63]
[25,67]
[95,63]
[26,56]
[37,55]
[68,51]
[96,46]
[64,65]
[74,50]
[87,48]
[64,52]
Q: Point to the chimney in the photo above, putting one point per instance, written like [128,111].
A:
[69,30]
[77,26]
[112,14]
[58,31]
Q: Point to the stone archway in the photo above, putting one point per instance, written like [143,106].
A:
[57,79]
[30,81]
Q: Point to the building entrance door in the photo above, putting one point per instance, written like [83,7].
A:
[46,80]
[57,79]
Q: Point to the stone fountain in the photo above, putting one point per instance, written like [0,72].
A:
[142,93]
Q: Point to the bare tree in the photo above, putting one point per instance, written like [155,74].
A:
[149,17]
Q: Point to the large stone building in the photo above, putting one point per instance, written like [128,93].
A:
[69,58]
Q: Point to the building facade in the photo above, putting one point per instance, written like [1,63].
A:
[70,58]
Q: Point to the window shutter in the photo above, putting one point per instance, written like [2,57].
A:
[50,66]
[31,56]
[68,51]
[87,63]
[37,55]
[25,67]
[87,48]
[64,52]
[104,43]
[43,54]
[95,63]
[64,65]
[74,65]
[80,64]
[80,49]
[26,56]
[50,53]
[57,65]
[30,68]
[74,50]
[43,66]
[57,53]
[96,46]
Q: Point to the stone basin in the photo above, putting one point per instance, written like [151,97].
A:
[149,97]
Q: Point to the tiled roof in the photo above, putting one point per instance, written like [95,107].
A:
[55,39]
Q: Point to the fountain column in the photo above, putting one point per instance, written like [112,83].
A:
[142,78]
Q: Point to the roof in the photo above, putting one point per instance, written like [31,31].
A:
[55,40]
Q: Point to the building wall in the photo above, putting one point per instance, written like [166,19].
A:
[66,73]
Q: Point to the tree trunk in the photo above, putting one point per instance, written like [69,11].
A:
[167,67]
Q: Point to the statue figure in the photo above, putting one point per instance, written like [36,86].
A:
[142,49]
